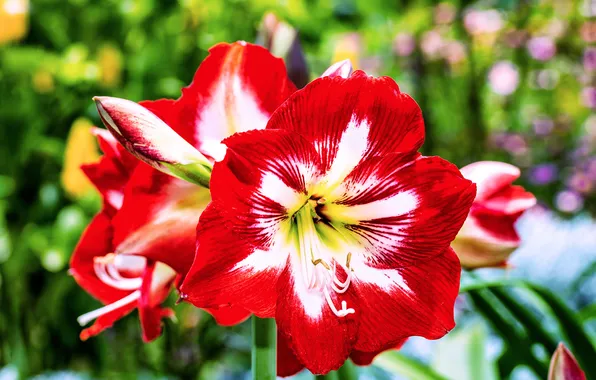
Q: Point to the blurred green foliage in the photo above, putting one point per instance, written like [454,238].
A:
[148,49]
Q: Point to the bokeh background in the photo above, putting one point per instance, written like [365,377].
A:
[505,80]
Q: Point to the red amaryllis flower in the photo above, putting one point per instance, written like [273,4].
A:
[331,222]
[563,366]
[488,236]
[143,241]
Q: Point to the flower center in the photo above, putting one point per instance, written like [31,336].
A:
[322,265]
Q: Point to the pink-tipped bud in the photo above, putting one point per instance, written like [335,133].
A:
[151,140]
[339,69]
[563,366]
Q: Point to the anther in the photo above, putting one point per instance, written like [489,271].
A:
[322,262]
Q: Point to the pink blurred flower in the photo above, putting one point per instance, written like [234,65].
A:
[503,78]
[543,126]
[569,201]
[580,183]
[542,48]
[590,59]
[445,13]
[483,21]
[404,44]
[589,97]
[488,235]
[543,174]
[432,44]
[454,52]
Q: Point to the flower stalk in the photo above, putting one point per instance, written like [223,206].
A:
[263,354]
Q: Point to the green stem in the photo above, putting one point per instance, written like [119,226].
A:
[330,376]
[348,371]
[263,348]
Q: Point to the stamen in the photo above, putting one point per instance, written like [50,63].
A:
[320,261]
[343,311]
[106,270]
[88,317]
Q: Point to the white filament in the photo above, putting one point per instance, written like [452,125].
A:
[88,317]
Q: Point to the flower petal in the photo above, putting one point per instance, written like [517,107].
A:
[236,88]
[228,271]
[564,366]
[413,301]
[400,209]
[341,69]
[320,340]
[158,218]
[229,316]
[490,176]
[366,358]
[263,180]
[154,290]
[343,119]
[287,363]
[510,200]
[96,241]
[111,173]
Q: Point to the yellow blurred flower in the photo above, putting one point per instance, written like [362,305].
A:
[349,46]
[109,59]
[81,148]
[43,81]
[14,20]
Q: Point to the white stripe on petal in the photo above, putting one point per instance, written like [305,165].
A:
[275,189]
[399,204]
[231,109]
[350,150]
[261,260]
[386,279]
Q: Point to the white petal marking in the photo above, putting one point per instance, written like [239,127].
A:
[386,279]
[350,150]
[230,110]
[275,189]
[399,204]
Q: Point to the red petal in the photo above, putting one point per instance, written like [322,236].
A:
[96,241]
[509,200]
[263,176]
[366,358]
[403,210]
[106,321]
[229,316]
[158,218]
[154,291]
[319,339]
[229,272]
[490,177]
[287,363]
[236,88]
[394,304]
[352,118]
[113,170]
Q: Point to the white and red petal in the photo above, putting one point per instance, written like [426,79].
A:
[111,173]
[158,218]
[95,242]
[349,120]
[157,282]
[490,177]
[510,200]
[236,88]
[263,180]
[318,338]
[401,209]
[341,69]
[414,301]
[228,271]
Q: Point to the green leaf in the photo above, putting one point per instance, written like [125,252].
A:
[570,325]
[462,354]
[396,363]
[588,313]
